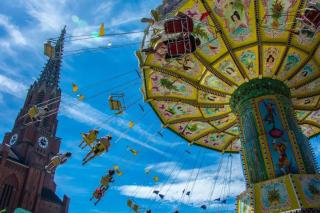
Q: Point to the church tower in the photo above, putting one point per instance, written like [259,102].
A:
[28,147]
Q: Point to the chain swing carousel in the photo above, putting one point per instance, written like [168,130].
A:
[242,76]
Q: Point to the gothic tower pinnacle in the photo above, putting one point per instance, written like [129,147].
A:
[51,73]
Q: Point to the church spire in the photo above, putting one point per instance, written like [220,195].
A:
[51,73]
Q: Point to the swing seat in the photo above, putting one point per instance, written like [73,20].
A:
[180,46]
[312,17]
[87,139]
[115,103]
[181,24]
[135,208]
[33,112]
[129,203]
[49,49]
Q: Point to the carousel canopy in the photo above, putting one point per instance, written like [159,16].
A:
[240,40]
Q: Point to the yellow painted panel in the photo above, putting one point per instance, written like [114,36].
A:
[213,82]
[208,98]
[271,58]
[192,129]
[306,186]
[171,111]
[162,85]
[212,45]
[235,146]
[317,55]
[314,117]
[187,66]
[214,112]
[275,195]
[301,114]
[306,102]
[234,130]
[308,90]
[216,141]
[249,59]
[225,121]
[309,130]
[309,71]
[227,67]
[291,63]
[276,26]
[237,20]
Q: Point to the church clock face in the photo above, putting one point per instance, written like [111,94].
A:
[43,142]
[13,139]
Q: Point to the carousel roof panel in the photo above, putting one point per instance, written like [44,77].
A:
[271,58]
[249,60]
[162,85]
[212,46]
[234,146]
[308,73]
[240,40]
[309,130]
[192,130]
[187,66]
[211,81]
[313,118]
[309,90]
[227,67]
[308,103]
[233,130]
[317,55]
[216,112]
[293,60]
[301,114]
[170,112]
[236,19]
[218,141]
[209,98]
[275,24]
[225,122]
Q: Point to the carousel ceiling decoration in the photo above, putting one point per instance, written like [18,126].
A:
[226,43]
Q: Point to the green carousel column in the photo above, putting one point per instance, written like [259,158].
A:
[277,157]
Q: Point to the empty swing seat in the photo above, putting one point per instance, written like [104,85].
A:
[115,103]
[312,17]
[48,49]
[181,24]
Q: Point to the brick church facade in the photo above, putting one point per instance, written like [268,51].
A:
[26,150]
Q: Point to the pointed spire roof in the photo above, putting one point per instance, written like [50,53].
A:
[51,73]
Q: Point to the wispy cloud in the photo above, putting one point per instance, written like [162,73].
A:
[13,32]
[200,185]
[84,113]
[12,87]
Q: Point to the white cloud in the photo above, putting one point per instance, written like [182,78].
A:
[12,87]
[177,180]
[48,15]
[13,32]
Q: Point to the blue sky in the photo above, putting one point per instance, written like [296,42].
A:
[24,27]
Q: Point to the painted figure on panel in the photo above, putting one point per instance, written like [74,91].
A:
[207,35]
[276,18]
[280,148]
[283,162]
[236,17]
[271,54]
[248,59]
